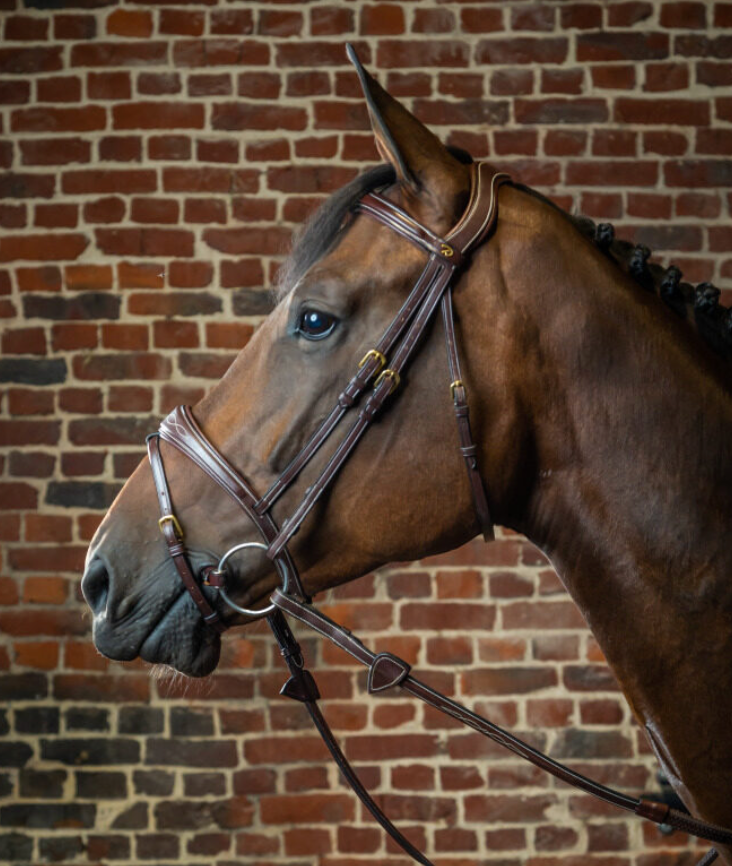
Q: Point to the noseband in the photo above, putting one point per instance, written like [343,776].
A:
[397,344]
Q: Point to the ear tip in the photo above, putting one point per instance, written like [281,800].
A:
[351,54]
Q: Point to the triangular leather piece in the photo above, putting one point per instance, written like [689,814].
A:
[301,688]
[386,671]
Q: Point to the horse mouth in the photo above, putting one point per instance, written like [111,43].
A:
[166,630]
[190,647]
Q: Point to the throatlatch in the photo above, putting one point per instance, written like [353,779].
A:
[382,365]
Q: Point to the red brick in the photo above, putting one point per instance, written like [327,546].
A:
[154,210]
[140,276]
[622,46]
[158,115]
[74,336]
[649,205]
[662,112]
[237,22]
[109,85]
[124,181]
[628,13]
[220,52]
[158,83]
[79,463]
[228,335]
[41,655]
[66,88]
[24,341]
[562,81]
[120,54]
[684,15]
[616,173]
[120,148]
[666,143]
[438,53]
[124,336]
[381,19]
[22,401]
[549,713]
[53,247]
[46,590]
[169,147]
[171,335]
[307,83]
[30,61]
[134,23]
[524,49]
[218,151]
[26,28]
[56,215]
[331,21]
[130,398]
[74,27]
[210,179]
[190,275]
[14,92]
[241,273]
[84,119]
[182,22]
[582,16]
[210,85]
[279,23]
[54,151]
[85,401]
[105,210]
[540,18]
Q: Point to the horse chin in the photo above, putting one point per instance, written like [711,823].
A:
[182,641]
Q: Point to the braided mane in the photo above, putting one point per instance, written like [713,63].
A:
[699,305]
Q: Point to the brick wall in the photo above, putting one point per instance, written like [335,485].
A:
[156,156]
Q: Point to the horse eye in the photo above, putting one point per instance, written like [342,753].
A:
[315,325]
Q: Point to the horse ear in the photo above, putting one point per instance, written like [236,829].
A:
[415,153]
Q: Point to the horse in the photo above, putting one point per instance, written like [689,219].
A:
[599,393]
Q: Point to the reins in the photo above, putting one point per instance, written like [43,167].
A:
[383,366]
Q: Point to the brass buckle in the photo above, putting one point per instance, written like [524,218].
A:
[373,353]
[392,374]
[458,383]
[177,528]
[447,251]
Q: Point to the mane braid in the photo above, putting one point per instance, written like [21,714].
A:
[698,306]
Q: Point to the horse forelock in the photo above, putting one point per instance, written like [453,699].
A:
[321,231]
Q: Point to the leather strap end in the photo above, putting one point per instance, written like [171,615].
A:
[657,812]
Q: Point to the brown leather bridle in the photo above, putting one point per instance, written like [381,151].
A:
[398,343]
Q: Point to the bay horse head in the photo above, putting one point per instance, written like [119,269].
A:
[403,491]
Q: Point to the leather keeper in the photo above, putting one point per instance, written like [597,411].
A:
[301,687]
[386,671]
[657,812]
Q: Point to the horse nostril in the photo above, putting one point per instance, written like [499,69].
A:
[95,585]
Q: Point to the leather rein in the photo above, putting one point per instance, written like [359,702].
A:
[385,671]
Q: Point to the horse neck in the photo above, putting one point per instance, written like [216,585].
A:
[630,417]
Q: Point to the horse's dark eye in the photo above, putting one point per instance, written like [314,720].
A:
[315,325]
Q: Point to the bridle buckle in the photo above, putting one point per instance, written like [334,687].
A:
[391,374]
[373,353]
[177,528]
